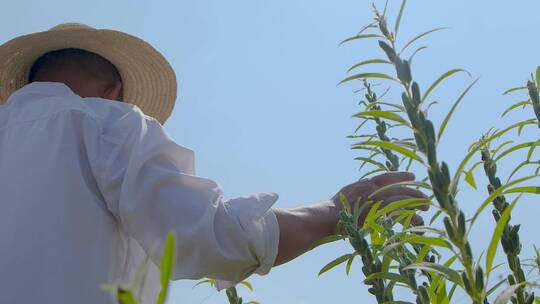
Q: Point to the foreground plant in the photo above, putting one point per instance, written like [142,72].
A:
[421,152]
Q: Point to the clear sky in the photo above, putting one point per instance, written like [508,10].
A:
[258,100]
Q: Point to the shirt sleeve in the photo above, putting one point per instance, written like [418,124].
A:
[149,185]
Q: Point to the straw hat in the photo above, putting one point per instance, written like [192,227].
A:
[148,79]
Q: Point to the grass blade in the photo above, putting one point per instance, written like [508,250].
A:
[167,266]
[441,79]
[398,20]
[516,105]
[336,262]
[446,272]
[514,90]
[383,114]
[420,36]
[361,36]
[391,146]
[449,115]
[494,244]
[372,61]
[367,76]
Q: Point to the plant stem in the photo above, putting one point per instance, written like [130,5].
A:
[510,236]
[438,172]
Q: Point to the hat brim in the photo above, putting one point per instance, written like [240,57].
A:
[148,80]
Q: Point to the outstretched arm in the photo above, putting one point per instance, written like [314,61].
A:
[300,228]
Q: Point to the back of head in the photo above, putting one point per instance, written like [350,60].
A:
[86,73]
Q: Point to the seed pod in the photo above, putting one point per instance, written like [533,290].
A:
[521,275]
[468,253]
[415,88]
[449,229]
[479,279]
[422,292]
[511,280]
[496,215]
[466,282]
[462,228]
[403,69]
[390,53]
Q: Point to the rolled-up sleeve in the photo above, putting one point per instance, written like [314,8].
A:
[149,184]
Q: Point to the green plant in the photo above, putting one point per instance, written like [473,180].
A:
[231,292]
[393,255]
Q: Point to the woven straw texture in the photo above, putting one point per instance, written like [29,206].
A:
[149,81]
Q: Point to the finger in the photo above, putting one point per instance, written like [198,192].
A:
[396,198]
[417,220]
[392,178]
[402,191]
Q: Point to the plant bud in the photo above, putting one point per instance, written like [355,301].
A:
[415,88]
[449,229]
[511,280]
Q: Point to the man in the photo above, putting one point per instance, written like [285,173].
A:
[91,184]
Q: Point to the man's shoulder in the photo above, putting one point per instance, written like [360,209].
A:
[111,112]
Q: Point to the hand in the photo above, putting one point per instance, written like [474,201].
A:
[362,189]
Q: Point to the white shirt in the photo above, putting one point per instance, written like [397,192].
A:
[89,186]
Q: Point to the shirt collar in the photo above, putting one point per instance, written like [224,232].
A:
[41,89]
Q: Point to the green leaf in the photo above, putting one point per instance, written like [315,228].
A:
[449,115]
[503,190]
[484,142]
[406,203]
[247,285]
[446,272]
[335,263]
[494,244]
[515,106]
[514,90]
[383,114]
[439,80]
[125,296]
[360,36]
[167,266]
[210,282]
[469,178]
[326,240]
[530,189]
[390,276]
[420,36]
[378,103]
[371,161]
[371,213]
[516,148]
[538,77]
[424,240]
[492,289]
[391,146]
[371,61]
[344,202]
[416,184]
[400,14]
[349,264]
[368,76]
[435,216]
[416,52]
[519,167]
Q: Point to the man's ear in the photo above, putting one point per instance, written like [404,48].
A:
[113,91]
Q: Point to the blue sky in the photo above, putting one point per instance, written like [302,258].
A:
[258,100]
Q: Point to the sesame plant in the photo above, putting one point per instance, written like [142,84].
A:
[131,293]
[435,261]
